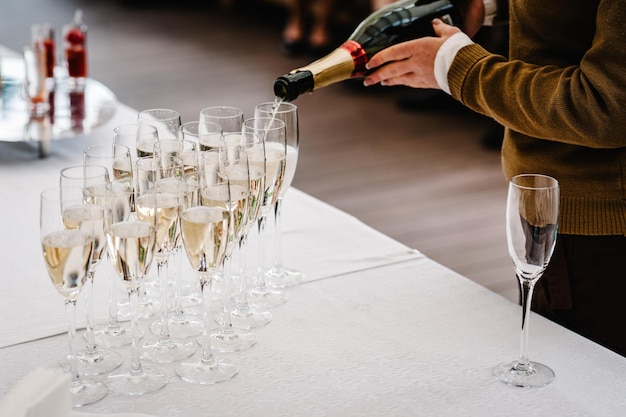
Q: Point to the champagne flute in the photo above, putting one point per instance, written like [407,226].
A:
[209,135]
[245,315]
[67,255]
[93,180]
[117,159]
[167,122]
[531,228]
[229,118]
[159,190]
[233,166]
[139,138]
[131,241]
[271,133]
[279,275]
[180,325]
[205,223]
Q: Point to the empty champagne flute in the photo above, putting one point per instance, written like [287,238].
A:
[279,275]
[131,241]
[67,255]
[531,227]
[205,224]
[159,190]
[271,133]
[92,179]
[167,122]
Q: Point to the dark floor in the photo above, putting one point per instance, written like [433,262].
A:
[421,176]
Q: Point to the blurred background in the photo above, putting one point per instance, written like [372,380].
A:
[413,164]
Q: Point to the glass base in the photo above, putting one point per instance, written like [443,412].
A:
[168,351]
[250,318]
[283,277]
[129,383]
[267,298]
[180,326]
[232,340]
[115,336]
[86,391]
[200,372]
[101,361]
[531,375]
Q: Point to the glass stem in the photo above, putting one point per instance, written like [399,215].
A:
[70,311]
[228,322]
[278,252]
[114,323]
[178,295]
[205,293]
[527,287]
[261,255]
[133,298]
[91,337]
[162,272]
[242,300]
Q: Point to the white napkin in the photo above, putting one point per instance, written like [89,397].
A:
[41,393]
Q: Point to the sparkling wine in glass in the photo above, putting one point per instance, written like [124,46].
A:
[279,275]
[67,254]
[92,179]
[205,223]
[271,134]
[159,190]
[117,158]
[131,242]
[531,229]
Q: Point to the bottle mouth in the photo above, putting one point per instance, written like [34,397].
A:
[289,86]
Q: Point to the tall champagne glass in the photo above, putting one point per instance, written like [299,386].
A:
[233,166]
[209,135]
[229,118]
[117,159]
[245,315]
[205,223]
[93,180]
[181,324]
[167,122]
[531,228]
[159,190]
[139,138]
[279,275]
[67,255]
[271,133]
[131,241]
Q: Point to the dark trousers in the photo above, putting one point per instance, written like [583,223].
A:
[584,288]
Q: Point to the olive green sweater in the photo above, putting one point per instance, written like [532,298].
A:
[562,97]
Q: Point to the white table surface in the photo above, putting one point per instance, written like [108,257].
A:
[376,329]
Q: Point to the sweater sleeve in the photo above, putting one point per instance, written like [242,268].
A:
[582,104]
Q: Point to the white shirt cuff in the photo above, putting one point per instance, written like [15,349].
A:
[445,56]
[491,9]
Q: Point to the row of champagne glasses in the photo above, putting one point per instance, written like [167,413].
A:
[116,158]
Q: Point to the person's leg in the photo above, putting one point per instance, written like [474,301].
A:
[583,288]
[293,32]
[320,38]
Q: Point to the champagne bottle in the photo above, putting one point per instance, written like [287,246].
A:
[397,22]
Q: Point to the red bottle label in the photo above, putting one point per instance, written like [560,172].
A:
[359,57]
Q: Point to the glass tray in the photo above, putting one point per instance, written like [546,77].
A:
[72,112]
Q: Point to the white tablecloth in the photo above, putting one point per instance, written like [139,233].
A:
[376,329]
